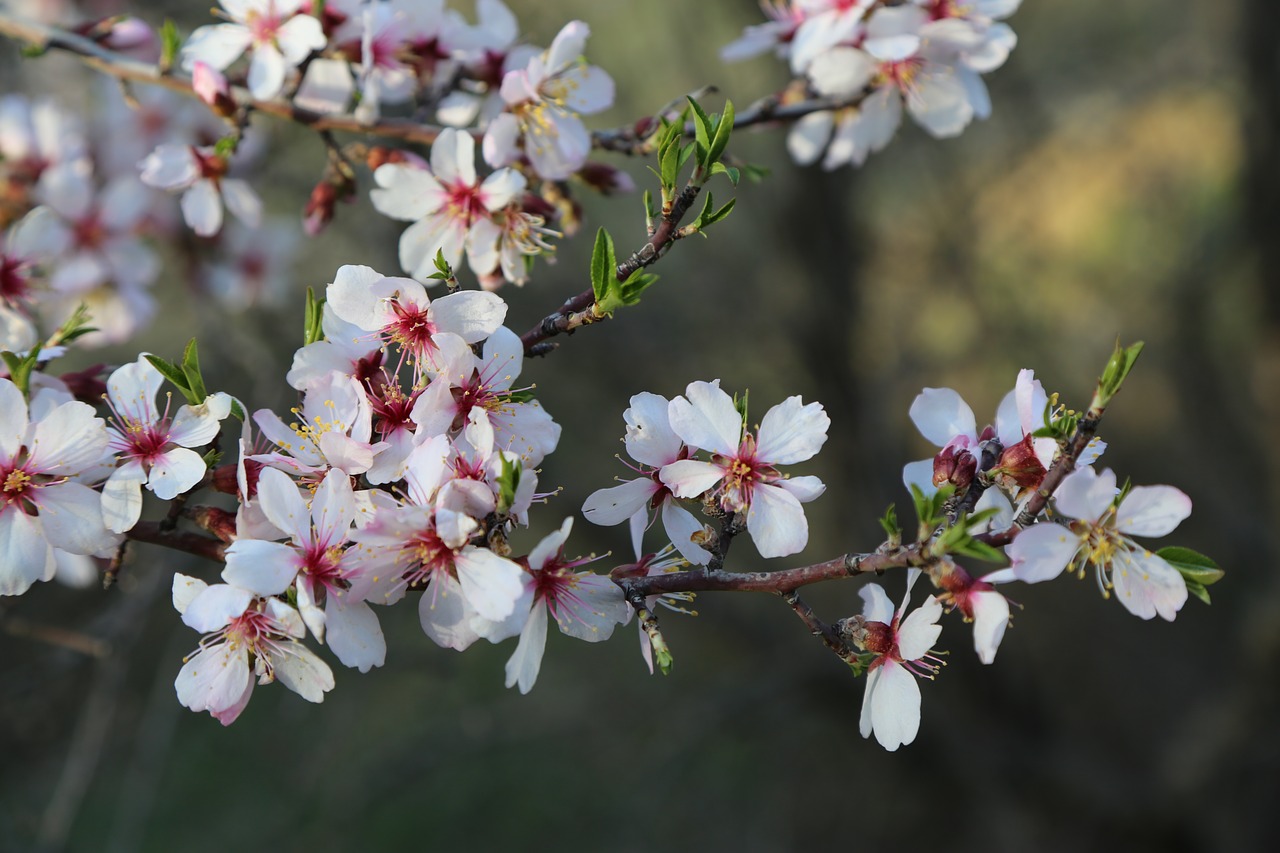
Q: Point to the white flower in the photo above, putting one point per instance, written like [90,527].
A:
[445,204]
[1145,584]
[42,506]
[153,447]
[891,702]
[333,430]
[651,442]
[740,474]
[201,175]
[544,100]
[239,625]
[279,36]
[584,605]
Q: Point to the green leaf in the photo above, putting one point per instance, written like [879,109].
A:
[720,140]
[628,292]
[313,317]
[191,369]
[889,521]
[212,458]
[719,214]
[929,507]
[755,174]
[237,410]
[1198,591]
[1118,367]
[976,548]
[1192,565]
[20,368]
[721,169]
[702,130]
[226,146]
[604,266]
[862,663]
[172,372]
[742,404]
[170,43]
[444,271]
[508,482]
[669,163]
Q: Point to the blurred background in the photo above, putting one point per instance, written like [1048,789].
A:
[1127,185]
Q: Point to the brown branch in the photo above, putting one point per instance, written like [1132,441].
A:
[154,533]
[829,635]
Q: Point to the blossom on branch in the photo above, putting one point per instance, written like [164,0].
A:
[279,36]
[201,176]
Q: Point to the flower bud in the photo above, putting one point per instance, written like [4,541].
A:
[957,467]
[211,86]
[132,37]
[606,179]
[1020,466]
[87,385]
[319,210]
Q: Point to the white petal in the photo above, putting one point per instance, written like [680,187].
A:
[473,315]
[1041,552]
[808,137]
[279,498]
[353,632]
[333,509]
[214,679]
[919,631]
[298,36]
[681,526]
[266,72]
[615,505]
[71,515]
[841,72]
[792,432]
[302,672]
[491,584]
[876,604]
[1152,510]
[706,418]
[1086,494]
[215,607]
[202,208]
[185,589]
[122,497]
[650,439]
[405,192]
[217,46]
[174,472]
[895,706]
[776,522]
[264,568]
[522,669]
[689,478]
[242,201]
[804,489]
[990,619]
[940,414]
[1147,585]
[24,553]
[446,616]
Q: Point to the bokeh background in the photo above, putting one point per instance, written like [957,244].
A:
[1127,185]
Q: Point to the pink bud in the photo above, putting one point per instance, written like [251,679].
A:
[210,85]
[132,36]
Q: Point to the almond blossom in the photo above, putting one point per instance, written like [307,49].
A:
[544,100]
[280,37]
[246,635]
[741,475]
[316,561]
[445,204]
[1144,583]
[652,442]
[903,652]
[584,605]
[154,448]
[978,602]
[43,507]
[201,176]
[334,429]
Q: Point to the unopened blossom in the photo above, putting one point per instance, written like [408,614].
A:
[903,651]
[316,561]
[245,636]
[42,506]
[278,35]
[1100,537]
[741,476]
[652,442]
[466,383]
[544,100]
[445,204]
[211,86]
[583,604]
[200,175]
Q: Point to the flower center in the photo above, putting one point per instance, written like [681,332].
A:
[16,482]
[263,28]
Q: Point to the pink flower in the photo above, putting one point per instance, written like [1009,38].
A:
[741,475]
[280,38]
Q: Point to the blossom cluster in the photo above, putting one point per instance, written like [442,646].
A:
[876,58]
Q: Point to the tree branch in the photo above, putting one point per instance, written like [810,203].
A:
[154,533]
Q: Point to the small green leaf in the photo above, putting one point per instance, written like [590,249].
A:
[742,404]
[1192,565]
[20,368]
[719,214]
[976,548]
[226,146]
[444,271]
[724,128]
[508,482]
[212,458]
[1199,591]
[755,174]
[237,410]
[172,372]
[702,130]
[170,42]
[721,169]
[669,163]
[313,317]
[191,369]
[1118,367]
[604,266]
[889,521]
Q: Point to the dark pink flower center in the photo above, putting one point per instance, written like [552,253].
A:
[465,203]
[13,280]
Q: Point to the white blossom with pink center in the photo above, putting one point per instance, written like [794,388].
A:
[245,636]
[823,25]
[154,449]
[43,451]
[345,348]
[741,475]
[332,429]
[652,442]
[1144,582]
[584,605]
[470,592]
[398,310]
[444,203]
[279,36]
[544,100]
[317,561]
[979,603]
[487,52]
[200,175]
[902,649]
[37,134]
[465,384]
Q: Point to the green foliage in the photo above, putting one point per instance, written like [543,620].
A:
[741,403]
[186,375]
[170,43]
[1118,367]
[444,272]
[892,530]
[313,314]
[1197,570]
[611,294]
[508,482]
